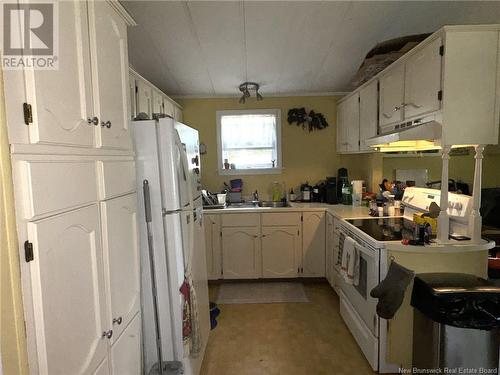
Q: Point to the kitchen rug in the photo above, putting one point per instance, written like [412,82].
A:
[261,292]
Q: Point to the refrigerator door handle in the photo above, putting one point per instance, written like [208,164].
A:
[166,212]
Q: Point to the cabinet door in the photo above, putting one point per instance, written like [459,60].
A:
[351,123]
[110,75]
[177,113]
[391,96]
[341,134]
[241,253]
[132,93]
[157,102]
[329,248]
[313,244]
[121,260]
[368,114]
[144,99]
[423,81]
[213,246]
[68,292]
[281,251]
[62,99]
[126,356]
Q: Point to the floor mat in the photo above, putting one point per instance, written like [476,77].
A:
[261,292]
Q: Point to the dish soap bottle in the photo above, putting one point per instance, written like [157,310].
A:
[276,192]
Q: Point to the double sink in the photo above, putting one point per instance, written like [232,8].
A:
[258,204]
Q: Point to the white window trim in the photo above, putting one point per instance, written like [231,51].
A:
[278,166]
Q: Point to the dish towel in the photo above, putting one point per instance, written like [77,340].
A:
[391,291]
[349,268]
[190,319]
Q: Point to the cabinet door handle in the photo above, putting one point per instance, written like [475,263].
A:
[397,108]
[263,235]
[106,124]
[107,334]
[117,320]
[93,121]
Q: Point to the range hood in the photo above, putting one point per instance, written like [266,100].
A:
[409,137]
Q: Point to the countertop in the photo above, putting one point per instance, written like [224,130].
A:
[349,212]
[339,210]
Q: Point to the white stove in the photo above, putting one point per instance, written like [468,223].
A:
[357,308]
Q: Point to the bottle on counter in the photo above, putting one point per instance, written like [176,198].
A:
[276,192]
[292,195]
[306,192]
[347,193]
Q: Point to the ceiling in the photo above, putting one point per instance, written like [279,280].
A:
[205,48]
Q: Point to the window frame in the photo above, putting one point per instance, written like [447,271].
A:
[249,171]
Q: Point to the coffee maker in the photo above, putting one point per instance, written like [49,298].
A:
[331,190]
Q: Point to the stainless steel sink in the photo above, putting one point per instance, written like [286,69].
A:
[257,204]
[273,204]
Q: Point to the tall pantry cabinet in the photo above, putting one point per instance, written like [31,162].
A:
[74,182]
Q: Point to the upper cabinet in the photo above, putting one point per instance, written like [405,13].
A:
[110,71]
[368,111]
[423,81]
[45,90]
[143,98]
[451,78]
[391,98]
[412,88]
[85,102]
[149,101]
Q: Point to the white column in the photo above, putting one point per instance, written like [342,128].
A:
[475,221]
[443,228]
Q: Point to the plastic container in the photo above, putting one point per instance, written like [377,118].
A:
[221,198]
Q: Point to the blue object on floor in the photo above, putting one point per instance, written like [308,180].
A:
[214,313]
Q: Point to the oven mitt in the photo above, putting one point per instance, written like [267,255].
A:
[390,292]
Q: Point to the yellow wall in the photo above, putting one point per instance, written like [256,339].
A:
[12,337]
[306,156]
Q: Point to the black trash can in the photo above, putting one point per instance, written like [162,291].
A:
[456,322]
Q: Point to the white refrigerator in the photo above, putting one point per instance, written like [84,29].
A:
[167,158]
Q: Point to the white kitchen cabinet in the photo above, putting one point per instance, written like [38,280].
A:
[281,251]
[330,232]
[132,90]
[241,253]
[121,260]
[47,90]
[144,98]
[110,75]
[68,294]
[348,125]
[169,108]
[126,352]
[158,103]
[423,81]
[313,244]
[213,246]
[391,95]
[368,114]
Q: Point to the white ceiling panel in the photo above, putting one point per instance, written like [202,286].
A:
[207,48]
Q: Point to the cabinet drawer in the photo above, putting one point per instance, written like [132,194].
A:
[56,186]
[240,220]
[281,219]
[116,178]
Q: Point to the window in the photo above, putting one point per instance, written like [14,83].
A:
[249,141]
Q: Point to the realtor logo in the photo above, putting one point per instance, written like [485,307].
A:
[29,35]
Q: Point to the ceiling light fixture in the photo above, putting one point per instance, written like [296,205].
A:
[245,89]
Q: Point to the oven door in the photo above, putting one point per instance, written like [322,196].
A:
[359,295]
